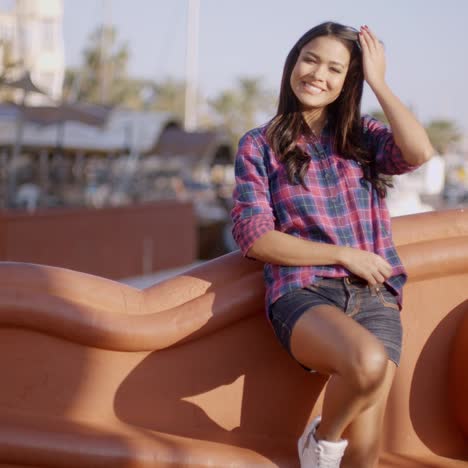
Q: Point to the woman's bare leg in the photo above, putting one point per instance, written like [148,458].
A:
[363,434]
[327,340]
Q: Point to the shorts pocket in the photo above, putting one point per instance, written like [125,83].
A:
[386,298]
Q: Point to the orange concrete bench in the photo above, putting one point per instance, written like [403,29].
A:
[95,373]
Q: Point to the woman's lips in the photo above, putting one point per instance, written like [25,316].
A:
[311,89]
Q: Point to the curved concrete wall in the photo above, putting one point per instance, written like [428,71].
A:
[188,373]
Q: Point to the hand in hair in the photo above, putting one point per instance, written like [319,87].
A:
[373,58]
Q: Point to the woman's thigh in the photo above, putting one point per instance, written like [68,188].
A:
[328,341]
[332,326]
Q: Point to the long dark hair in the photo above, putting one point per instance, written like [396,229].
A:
[344,113]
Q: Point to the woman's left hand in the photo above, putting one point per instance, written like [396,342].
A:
[373,57]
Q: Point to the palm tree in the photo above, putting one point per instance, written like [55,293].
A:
[103,77]
[242,108]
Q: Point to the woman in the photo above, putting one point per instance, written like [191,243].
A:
[309,202]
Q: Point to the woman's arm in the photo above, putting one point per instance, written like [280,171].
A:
[283,249]
[409,134]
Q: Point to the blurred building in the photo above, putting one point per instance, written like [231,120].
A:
[31,36]
[118,155]
[412,192]
[84,156]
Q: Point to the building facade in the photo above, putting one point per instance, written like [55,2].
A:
[31,37]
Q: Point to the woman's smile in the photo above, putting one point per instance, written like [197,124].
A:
[312,89]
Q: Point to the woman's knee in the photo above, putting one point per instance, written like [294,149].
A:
[365,366]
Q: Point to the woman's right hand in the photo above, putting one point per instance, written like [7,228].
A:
[367,265]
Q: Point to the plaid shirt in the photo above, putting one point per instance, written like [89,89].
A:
[338,207]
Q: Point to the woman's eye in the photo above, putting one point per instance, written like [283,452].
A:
[335,70]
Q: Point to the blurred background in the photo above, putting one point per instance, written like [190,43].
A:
[119,120]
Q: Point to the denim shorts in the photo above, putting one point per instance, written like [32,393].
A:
[373,307]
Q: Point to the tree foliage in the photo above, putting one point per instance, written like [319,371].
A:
[103,77]
[169,96]
[379,115]
[444,134]
[243,107]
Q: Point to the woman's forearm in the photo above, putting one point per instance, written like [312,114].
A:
[283,249]
[409,134]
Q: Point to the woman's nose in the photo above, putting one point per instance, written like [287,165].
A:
[319,73]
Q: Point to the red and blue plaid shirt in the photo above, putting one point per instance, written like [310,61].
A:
[337,207]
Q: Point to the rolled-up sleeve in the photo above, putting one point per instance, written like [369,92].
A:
[388,157]
[252,213]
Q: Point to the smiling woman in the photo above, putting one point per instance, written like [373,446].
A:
[309,201]
[318,77]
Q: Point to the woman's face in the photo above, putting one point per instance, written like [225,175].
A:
[320,71]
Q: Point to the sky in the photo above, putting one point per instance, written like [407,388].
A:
[426,43]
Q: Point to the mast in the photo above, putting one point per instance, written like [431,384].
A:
[105,71]
[191,65]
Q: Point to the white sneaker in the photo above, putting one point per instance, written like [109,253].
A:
[321,454]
